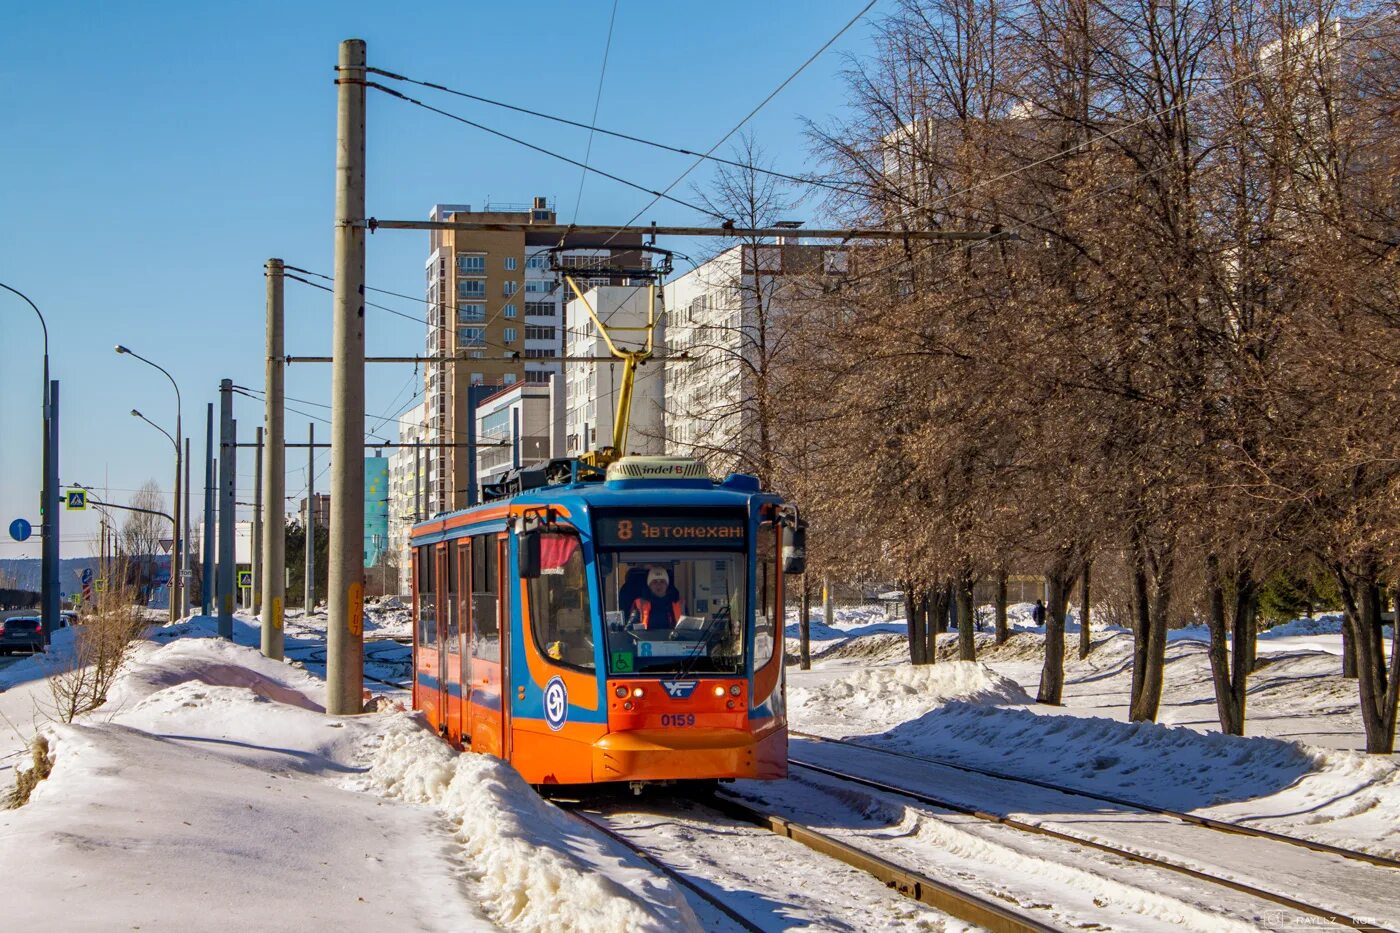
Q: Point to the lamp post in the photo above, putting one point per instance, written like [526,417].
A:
[178,546]
[49,497]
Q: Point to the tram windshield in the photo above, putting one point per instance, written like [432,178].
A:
[674,612]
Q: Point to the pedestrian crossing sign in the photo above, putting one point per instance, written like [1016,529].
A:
[75,500]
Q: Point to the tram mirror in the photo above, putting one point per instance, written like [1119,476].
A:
[529,554]
[795,549]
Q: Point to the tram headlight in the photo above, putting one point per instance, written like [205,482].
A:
[627,705]
[735,690]
[619,692]
[636,691]
[719,691]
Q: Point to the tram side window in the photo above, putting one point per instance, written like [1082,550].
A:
[486,629]
[450,609]
[427,602]
[766,588]
[559,610]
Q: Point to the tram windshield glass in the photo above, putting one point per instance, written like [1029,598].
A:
[674,612]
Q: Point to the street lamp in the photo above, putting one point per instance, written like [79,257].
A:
[49,497]
[179,548]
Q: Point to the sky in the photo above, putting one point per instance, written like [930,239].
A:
[156,154]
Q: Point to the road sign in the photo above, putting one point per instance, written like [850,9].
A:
[245,579]
[20,529]
[75,500]
[87,582]
[165,544]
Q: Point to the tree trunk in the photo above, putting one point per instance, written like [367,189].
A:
[1141,622]
[804,627]
[1052,675]
[937,601]
[1230,672]
[1003,631]
[1085,641]
[1150,652]
[967,641]
[918,635]
[1361,596]
[1348,643]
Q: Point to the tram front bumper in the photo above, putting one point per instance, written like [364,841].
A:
[685,754]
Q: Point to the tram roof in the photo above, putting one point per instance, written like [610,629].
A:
[736,491]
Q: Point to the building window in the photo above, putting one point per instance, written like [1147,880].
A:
[539,286]
[537,376]
[539,353]
[477,355]
[510,286]
[538,261]
[471,288]
[509,379]
[471,264]
[510,334]
[470,314]
[538,308]
[476,379]
[471,336]
[536,332]
[510,263]
[509,310]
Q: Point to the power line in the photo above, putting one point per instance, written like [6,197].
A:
[540,149]
[597,100]
[297,278]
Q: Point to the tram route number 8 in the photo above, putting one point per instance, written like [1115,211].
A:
[677,719]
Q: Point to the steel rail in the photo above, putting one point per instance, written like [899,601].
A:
[1332,916]
[940,895]
[710,898]
[1224,826]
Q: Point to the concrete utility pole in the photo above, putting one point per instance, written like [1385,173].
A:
[228,483]
[206,589]
[273,480]
[308,577]
[255,558]
[346,593]
[186,577]
[51,598]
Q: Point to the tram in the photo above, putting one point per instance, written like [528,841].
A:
[609,618]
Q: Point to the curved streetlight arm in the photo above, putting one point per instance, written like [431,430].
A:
[179,405]
[137,414]
[42,323]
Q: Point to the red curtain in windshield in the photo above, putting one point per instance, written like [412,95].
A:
[556,549]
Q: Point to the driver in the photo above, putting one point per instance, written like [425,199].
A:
[660,606]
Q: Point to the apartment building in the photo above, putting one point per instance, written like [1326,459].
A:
[592,381]
[409,471]
[519,425]
[726,321]
[496,308]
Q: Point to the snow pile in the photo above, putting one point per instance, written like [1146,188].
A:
[536,867]
[1329,623]
[890,695]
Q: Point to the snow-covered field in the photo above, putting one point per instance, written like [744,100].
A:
[212,792]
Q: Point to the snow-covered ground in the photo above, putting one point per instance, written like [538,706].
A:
[212,792]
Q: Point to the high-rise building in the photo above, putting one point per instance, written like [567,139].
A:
[496,308]
[519,425]
[592,383]
[409,469]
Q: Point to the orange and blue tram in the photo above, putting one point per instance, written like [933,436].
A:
[626,626]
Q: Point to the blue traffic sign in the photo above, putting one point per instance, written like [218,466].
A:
[76,500]
[87,576]
[20,529]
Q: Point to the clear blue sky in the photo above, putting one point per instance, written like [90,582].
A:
[156,153]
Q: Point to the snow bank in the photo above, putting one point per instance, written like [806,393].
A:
[1329,623]
[538,869]
[891,695]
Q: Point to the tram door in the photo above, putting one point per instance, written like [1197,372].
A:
[427,682]
[486,709]
[451,652]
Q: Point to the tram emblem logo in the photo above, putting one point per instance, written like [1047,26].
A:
[556,704]
[679,689]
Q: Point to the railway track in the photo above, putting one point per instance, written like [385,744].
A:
[1224,826]
[940,895]
[1330,915]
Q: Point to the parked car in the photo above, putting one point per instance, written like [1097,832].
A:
[21,632]
[67,617]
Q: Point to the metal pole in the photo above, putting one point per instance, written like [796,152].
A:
[175,545]
[308,578]
[273,480]
[346,593]
[185,576]
[51,588]
[206,588]
[255,558]
[228,481]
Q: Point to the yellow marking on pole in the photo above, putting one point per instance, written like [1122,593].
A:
[277,612]
[228,603]
[356,617]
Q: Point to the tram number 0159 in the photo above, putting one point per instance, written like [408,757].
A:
[677,719]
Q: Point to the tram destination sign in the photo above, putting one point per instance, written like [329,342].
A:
[669,532]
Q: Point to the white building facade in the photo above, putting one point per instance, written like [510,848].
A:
[410,469]
[592,386]
[519,426]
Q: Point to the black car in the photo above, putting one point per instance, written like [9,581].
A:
[21,633]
